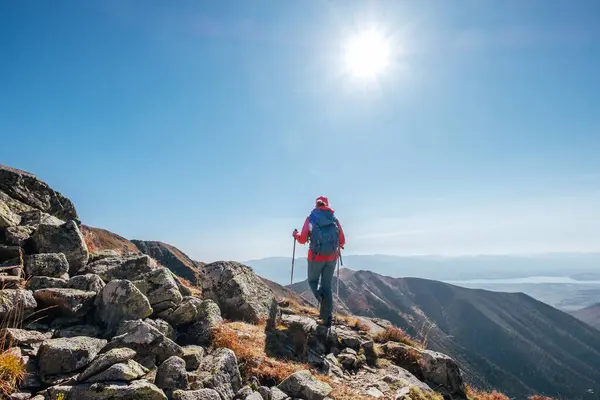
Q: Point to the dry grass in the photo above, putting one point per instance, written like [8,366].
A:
[353,323]
[539,397]
[194,289]
[417,394]
[394,334]
[303,310]
[475,394]
[248,343]
[344,392]
[12,372]
[90,240]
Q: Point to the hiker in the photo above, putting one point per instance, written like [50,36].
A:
[326,237]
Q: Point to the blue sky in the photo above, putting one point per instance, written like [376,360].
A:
[214,125]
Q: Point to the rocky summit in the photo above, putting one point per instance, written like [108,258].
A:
[87,316]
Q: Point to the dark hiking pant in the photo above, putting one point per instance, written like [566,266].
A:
[323,271]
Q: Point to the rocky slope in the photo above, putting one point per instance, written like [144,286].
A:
[108,324]
[508,341]
[101,239]
[590,315]
[172,258]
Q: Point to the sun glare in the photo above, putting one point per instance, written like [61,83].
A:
[367,54]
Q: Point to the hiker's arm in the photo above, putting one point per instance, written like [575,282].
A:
[302,237]
[342,236]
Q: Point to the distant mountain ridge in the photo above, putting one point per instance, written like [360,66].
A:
[508,341]
[590,315]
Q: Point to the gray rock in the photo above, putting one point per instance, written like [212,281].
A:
[201,394]
[265,392]
[200,333]
[78,330]
[277,394]
[239,292]
[129,268]
[254,396]
[20,337]
[190,310]
[34,218]
[66,239]
[120,300]
[225,375]
[102,254]
[7,217]
[136,390]
[70,302]
[17,235]
[13,301]
[59,356]
[368,348]
[20,396]
[304,385]
[243,393]
[105,360]
[163,327]
[159,286]
[146,341]
[443,370]
[87,282]
[171,375]
[43,282]
[28,189]
[9,253]
[192,355]
[124,371]
[54,265]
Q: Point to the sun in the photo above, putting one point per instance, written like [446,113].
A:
[367,55]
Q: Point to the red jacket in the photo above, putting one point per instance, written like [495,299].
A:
[302,238]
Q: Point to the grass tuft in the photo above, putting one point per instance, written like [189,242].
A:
[475,394]
[395,334]
[12,372]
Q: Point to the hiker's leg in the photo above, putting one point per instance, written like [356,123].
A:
[326,289]
[314,273]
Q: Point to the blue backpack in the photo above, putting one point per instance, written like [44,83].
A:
[324,238]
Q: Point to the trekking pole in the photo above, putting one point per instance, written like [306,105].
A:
[340,261]
[293,259]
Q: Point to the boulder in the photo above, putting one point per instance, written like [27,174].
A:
[7,217]
[70,302]
[43,282]
[254,396]
[239,292]
[102,254]
[124,371]
[136,390]
[171,375]
[192,355]
[10,253]
[304,385]
[148,342]
[163,327]
[20,337]
[277,394]
[225,375]
[28,189]
[200,333]
[87,282]
[264,392]
[104,361]
[66,239]
[201,394]
[16,301]
[120,300]
[78,330]
[190,310]
[129,268]
[160,288]
[34,218]
[172,258]
[53,265]
[17,235]
[59,356]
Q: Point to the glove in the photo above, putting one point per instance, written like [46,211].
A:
[295,233]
